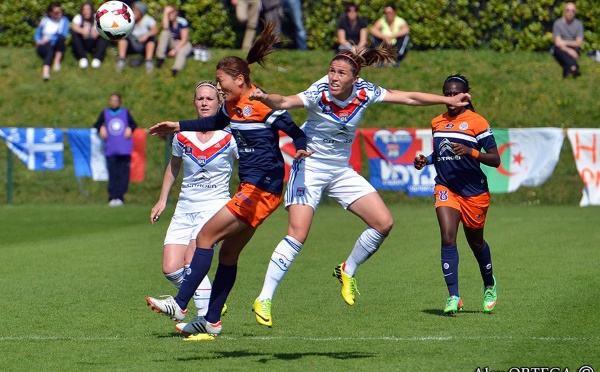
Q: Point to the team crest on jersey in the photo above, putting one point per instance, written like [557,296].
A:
[463,126]
[449,125]
[202,160]
[300,191]
[327,109]
[188,150]
[343,117]
[377,92]
[247,110]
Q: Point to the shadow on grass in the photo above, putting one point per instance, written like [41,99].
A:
[266,357]
[439,312]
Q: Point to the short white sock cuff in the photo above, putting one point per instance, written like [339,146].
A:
[295,244]
[175,277]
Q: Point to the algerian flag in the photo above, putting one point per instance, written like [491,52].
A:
[528,157]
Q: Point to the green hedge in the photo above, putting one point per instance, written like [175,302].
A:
[435,24]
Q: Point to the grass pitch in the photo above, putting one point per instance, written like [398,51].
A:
[74,280]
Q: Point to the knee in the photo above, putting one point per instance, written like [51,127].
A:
[448,239]
[384,226]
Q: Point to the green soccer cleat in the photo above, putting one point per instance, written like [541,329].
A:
[454,304]
[348,284]
[262,311]
[490,297]
[224,310]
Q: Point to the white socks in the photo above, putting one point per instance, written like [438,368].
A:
[281,260]
[368,242]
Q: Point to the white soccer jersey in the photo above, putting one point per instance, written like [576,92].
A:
[206,170]
[331,124]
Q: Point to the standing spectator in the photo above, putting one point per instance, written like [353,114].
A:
[294,10]
[173,40]
[86,39]
[461,189]
[568,38]
[142,39]
[271,13]
[392,30]
[50,38]
[115,126]
[352,30]
[247,13]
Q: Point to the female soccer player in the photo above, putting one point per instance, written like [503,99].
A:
[335,105]
[461,189]
[207,161]
[255,128]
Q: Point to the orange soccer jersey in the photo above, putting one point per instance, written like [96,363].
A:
[461,174]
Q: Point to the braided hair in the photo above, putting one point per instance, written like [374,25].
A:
[465,83]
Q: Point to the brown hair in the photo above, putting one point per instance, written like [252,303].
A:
[262,47]
[367,56]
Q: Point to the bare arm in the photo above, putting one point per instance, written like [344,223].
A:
[490,158]
[341,35]
[404,30]
[425,99]
[375,30]
[277,101]
[185,34]
[362,42]
[168,180]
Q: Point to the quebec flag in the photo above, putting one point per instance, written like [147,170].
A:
[38,148]
[88,154]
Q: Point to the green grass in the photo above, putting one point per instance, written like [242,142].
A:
[518,89]
[74,279]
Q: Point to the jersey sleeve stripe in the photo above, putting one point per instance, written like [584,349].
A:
[460,136]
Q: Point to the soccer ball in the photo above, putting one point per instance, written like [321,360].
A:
[114,20]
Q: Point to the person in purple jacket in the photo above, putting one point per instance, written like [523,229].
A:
[115,126]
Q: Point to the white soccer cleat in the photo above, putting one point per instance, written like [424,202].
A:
[168,307]
[199,325]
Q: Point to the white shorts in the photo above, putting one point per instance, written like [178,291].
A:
[185,226]
[343,185]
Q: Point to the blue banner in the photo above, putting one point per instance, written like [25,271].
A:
[38,148]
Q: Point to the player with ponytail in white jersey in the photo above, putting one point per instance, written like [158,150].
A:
[335,105]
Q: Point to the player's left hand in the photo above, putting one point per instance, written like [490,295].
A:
[460,149]
[301,154]
[257,95]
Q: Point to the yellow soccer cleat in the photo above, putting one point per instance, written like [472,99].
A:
[200,337]
[348,284]
[262,311]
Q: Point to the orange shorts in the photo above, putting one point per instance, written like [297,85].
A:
[473,209]
[252,205]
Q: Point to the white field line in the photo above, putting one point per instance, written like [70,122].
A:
[317,339]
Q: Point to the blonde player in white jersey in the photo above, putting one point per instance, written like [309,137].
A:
[207,160]
[335,105]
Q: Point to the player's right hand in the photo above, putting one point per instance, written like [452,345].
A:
[420,161]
